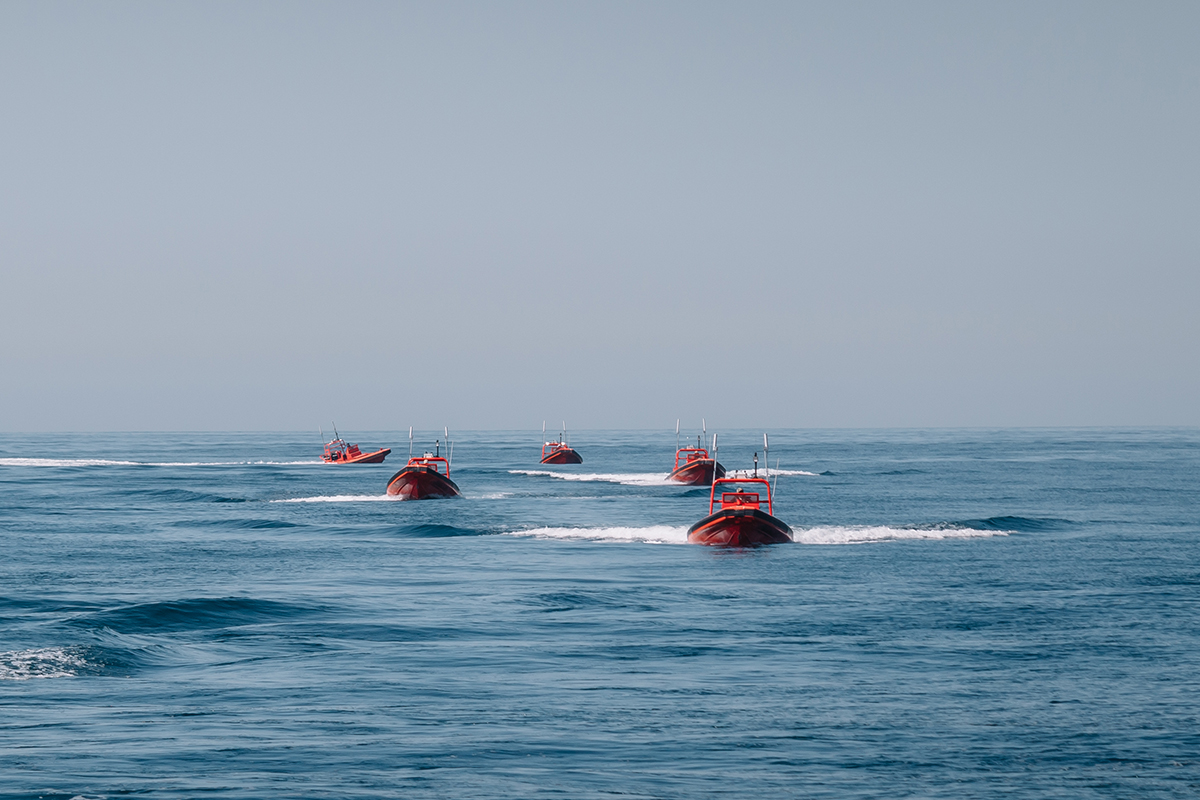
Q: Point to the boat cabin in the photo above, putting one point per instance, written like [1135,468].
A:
[686,455]
[338,450]
[740,493]
[434,462]
[554,447]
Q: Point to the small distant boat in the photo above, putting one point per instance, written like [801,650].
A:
[559,452]
[338,451]
[693,465]
[740,520]
[424,477]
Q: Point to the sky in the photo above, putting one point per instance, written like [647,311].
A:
[268,216]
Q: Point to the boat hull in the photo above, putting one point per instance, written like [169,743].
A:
[698,472]
[564,456]
[376,457]
[739,527]
[421,483]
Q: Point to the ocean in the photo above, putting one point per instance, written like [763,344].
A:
[964,614]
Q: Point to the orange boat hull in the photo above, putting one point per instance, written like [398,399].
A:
[421,483]
[698,472]
[739,527]
[564,456]
[365,458]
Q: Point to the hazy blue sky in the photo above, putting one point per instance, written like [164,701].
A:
[270,215]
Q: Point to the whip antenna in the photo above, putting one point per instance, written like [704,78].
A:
[714,460]
[410,441]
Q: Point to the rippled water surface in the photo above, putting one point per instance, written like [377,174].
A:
[964,614]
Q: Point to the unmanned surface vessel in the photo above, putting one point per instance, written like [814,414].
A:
[693,465]
[424,477]
[740,520]
[559,452]
[337,451]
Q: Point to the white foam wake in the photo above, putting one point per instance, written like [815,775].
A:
[338,498]
[43,662]
[64,462]
[863,534]
[627,478]
[836,534]
[105,462]
[655,534]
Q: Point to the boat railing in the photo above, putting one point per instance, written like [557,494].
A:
[690,454]
[735,494]
[436,463]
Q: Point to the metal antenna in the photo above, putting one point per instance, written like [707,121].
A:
[766,458]
[449,450]
[410,441]
[336,435]
[714,459]
[676,434]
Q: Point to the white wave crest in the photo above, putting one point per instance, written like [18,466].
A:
[338,498]
[655,534]
[862,534]
[104,462]
[627,478]
[43,662]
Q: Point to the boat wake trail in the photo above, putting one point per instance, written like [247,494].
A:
[104,462]
[42,662]
[339,498]
[833,534]
[864,534]
[626,478]
[655,534]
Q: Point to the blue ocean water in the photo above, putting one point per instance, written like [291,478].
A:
[966,613]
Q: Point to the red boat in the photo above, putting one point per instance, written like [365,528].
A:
[693,465]
[740,521]
[559,452]
[424,478]
[339,452]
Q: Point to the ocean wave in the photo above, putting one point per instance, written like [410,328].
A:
[433,530]
[42,662]
[191,614]
[626,478]
[864,534]
[1014,524]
